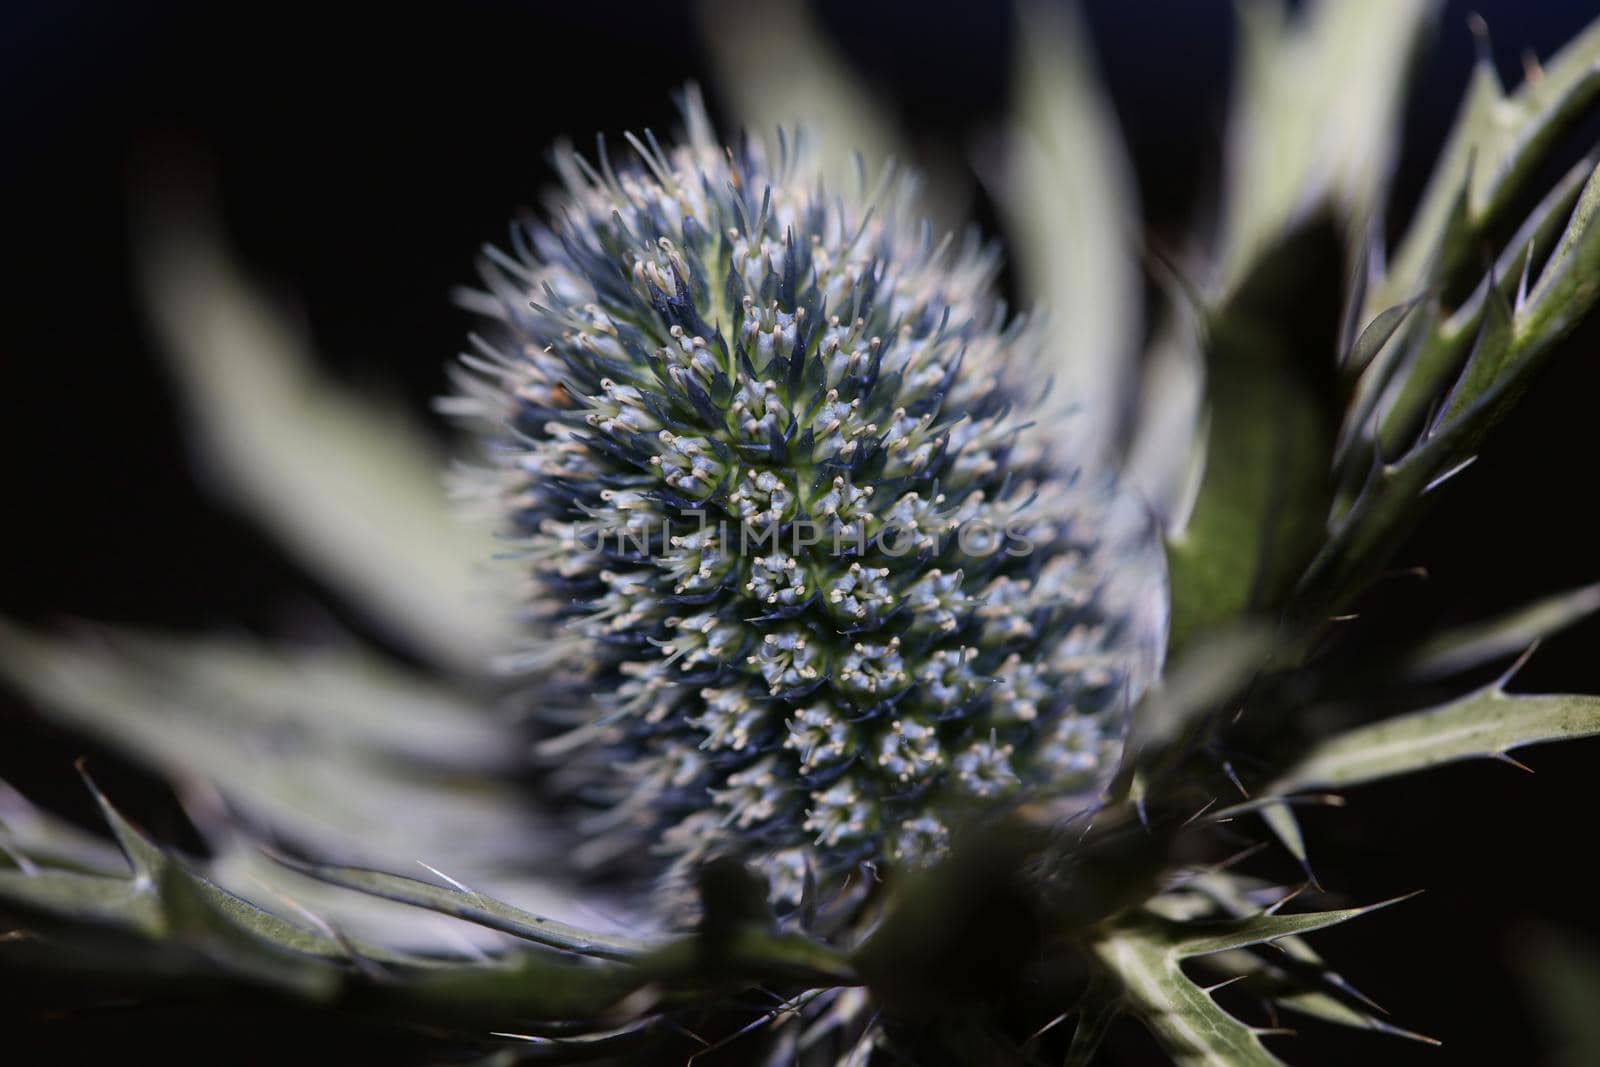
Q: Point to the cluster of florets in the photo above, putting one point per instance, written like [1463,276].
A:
[813,580]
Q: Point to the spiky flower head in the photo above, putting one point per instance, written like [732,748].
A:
[812,579]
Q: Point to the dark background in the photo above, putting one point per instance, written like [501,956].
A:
[363,154]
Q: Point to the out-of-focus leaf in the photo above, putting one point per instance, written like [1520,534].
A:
[1316,107]
[346,482]
[1280,819]
[1068,198]
[28,834]
[1166,456]
[1263,497]
[1489,722]
[1315,111]
[343,694]
[1561,982]
[279,739]
[1469,646]
[777,69]
[1494,149]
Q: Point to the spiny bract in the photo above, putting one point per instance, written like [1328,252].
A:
[812,580]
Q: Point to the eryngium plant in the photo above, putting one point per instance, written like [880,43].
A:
[854,706]
[814,576]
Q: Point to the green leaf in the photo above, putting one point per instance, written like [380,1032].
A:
[1096,1010]
[1315,112]
[1504,360]
[478,908]
[1375,336]
[1489,722]
[1191,1027]
[1145,952]
[162,899]
[1286,828]
[1569,282]
[1488,360]
[1067,194]
[1262,500]
[346,482]
[1503,637]
[183,924]
[1392,397]
[1286,990]
[1202,938]
[1331,1009]
[1496,146]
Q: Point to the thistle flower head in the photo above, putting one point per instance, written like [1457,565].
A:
[812,578]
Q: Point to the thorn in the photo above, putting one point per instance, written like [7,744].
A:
[1447,475]
[1272,909]
[1501,682]
[1408,572]
[1274,1031]
[1338,982]
[1401,899]
[440,874]
[686,1032]
[1051,1025]
[1203,809]
[1227,769]
[1240,856]
[1522,282]
[24,865]
[1480,36]
[1311,876]
[1532,69]
[1506,758]
[1208,990]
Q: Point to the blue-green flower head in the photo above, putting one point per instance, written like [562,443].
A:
[812,580]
